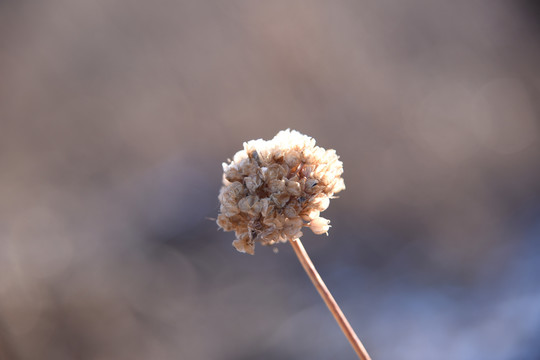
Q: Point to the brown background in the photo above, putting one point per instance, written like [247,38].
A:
[116,115]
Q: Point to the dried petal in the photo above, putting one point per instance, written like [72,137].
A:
[293,188]
[310,214]
[321,202]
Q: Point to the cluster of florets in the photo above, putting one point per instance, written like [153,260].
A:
[271,189]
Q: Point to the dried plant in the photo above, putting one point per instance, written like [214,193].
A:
[271,189]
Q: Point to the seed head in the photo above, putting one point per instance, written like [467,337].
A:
[271,189]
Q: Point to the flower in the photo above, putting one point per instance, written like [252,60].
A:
[271,189]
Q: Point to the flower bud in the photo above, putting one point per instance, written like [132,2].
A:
[320,225]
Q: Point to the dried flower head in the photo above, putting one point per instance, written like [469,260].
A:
[271,189]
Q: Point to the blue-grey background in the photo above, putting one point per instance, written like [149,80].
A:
[116,115]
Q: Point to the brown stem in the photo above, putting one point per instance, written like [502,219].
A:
[329,299]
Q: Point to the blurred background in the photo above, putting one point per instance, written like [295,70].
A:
[116,116]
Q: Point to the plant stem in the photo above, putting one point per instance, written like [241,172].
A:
[329,299]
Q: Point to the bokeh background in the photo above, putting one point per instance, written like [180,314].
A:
[116,116]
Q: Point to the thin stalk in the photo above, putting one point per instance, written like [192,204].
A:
[329,299]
